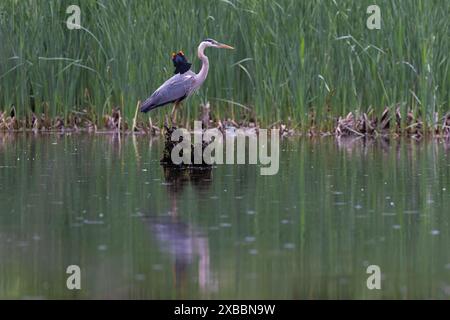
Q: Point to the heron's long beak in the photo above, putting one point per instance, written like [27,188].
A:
[225,46]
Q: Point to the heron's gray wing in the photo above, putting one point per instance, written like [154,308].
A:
[174,89]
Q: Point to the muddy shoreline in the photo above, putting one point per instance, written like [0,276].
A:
[389,124]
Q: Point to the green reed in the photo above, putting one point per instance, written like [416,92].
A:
[291,57]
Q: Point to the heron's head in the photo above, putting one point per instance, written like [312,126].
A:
[215,44]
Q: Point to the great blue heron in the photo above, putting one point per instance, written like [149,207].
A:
[182,84]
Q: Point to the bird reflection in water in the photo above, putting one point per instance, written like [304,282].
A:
[184,242]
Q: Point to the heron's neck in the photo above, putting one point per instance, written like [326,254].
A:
[205,62]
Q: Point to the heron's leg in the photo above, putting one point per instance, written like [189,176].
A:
[174,113]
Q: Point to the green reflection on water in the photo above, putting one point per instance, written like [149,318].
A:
[139,231]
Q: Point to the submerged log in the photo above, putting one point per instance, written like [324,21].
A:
[169,145]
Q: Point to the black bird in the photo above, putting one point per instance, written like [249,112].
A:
[180,62]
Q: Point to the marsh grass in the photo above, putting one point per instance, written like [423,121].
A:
[302,62]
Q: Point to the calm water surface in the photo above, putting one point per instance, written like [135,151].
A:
[139,231]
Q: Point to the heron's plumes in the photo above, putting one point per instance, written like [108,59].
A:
[147,105]
[152,103]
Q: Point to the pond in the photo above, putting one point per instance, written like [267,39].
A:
[137,230]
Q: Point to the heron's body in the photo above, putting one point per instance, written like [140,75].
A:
[173,90]
[182,84]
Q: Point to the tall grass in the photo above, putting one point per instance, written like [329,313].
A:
[291,56]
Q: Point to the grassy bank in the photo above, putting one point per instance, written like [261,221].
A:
[303,62]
